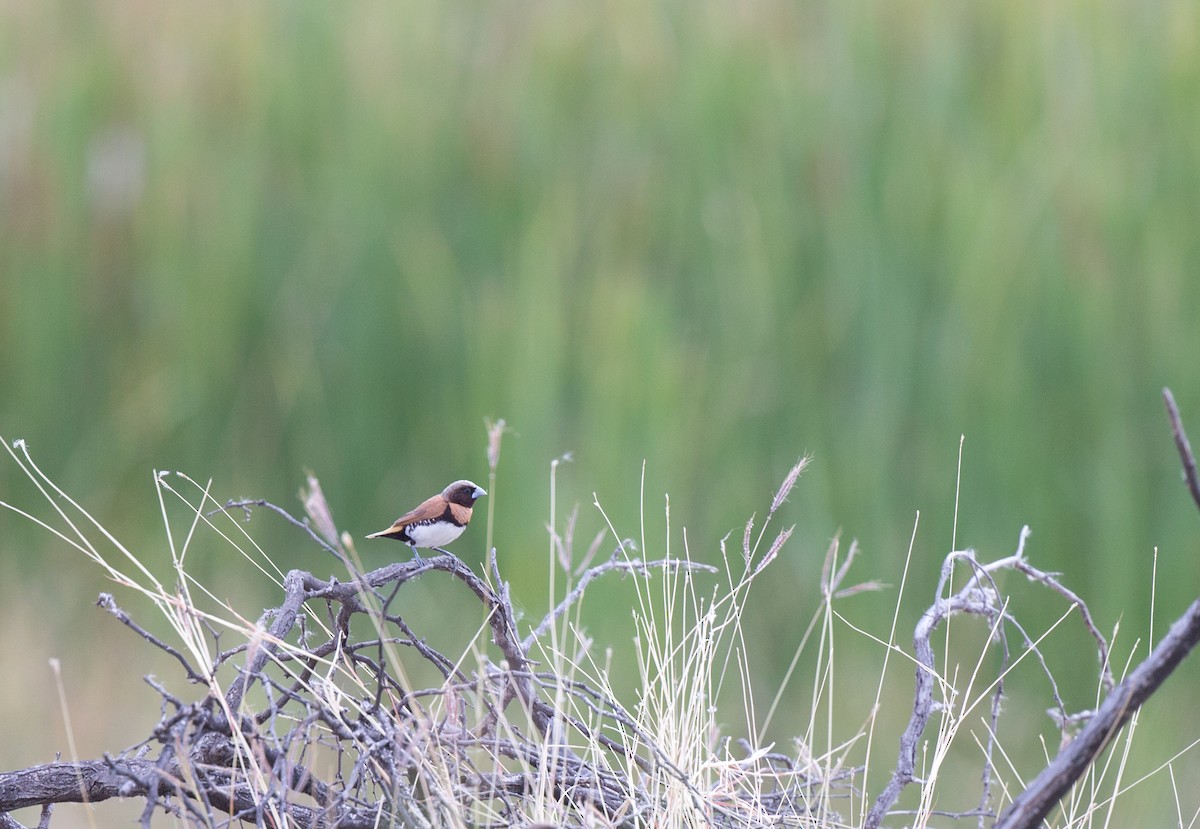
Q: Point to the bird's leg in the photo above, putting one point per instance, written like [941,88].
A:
[443,551]
[416,555]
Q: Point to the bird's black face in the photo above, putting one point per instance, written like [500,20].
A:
[464,493]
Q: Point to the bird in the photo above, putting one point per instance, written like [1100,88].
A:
[436,521]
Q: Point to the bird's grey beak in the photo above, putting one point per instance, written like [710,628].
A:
[479,492]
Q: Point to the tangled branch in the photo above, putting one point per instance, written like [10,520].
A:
[311,723]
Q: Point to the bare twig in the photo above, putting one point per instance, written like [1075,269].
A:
[106,601]
[247,504]
[1183,446]
[615,562]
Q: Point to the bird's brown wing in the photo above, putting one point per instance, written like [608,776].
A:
[433,507]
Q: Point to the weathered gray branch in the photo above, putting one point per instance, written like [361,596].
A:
[1030,807]
[94,781]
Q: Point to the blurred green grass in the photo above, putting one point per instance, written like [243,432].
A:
[242,240]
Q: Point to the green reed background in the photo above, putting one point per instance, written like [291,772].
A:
[243,240]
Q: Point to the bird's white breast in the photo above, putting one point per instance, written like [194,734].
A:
[434,535]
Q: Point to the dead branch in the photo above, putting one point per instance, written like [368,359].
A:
[261,751]
[94,781]
[1030,807]
[1183,446]
[979,596]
